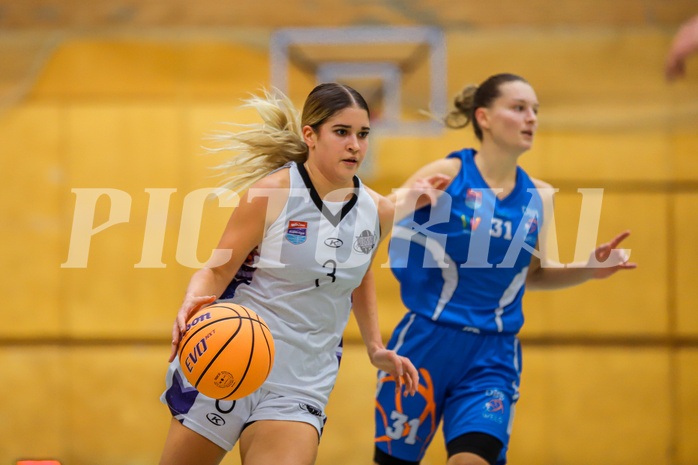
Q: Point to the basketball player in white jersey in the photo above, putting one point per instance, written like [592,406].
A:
[308,229]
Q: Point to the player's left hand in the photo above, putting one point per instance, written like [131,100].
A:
[610,258]
[400,368]
[684,44]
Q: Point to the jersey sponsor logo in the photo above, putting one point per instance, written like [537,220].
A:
[334,242]
[297,232]
[215,419]
[473,198]
[365,242]
[470,223]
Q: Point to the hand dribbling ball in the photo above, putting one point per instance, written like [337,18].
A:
[227,351]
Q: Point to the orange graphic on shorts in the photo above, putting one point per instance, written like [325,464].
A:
[427,392]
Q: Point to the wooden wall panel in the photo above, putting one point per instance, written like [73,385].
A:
[306,13]
[686,257]
[32,227]
[84,404]
[686,407]
[124,145]
[114,412]
[603,66]
[224,69]
[612,398]
[33,399]
[128,148]
[152,68]
[684,153]
[117,68]
[610,157]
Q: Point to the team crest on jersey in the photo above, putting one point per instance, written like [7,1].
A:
[531,225]
[365,242]
[473,198]
[531,231]
[297,232]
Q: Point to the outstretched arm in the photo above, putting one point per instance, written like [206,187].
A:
[604,261]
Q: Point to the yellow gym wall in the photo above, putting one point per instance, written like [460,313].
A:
[610,368]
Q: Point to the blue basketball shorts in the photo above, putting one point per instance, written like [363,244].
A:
[468,380]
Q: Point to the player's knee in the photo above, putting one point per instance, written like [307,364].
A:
[466,458]
[474,449]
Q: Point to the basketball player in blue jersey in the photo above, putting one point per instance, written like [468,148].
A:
[307,229]
[463,262]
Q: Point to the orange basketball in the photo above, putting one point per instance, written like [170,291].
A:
[227,351]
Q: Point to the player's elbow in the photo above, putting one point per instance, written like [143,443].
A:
[534,280]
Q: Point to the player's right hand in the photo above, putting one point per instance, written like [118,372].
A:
[190,305]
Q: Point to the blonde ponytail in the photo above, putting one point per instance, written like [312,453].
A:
[262,147]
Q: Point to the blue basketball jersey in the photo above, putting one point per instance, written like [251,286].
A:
[464,261]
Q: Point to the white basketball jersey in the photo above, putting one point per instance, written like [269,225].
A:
[311,259]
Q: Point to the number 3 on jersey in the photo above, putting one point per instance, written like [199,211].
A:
[331,274]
